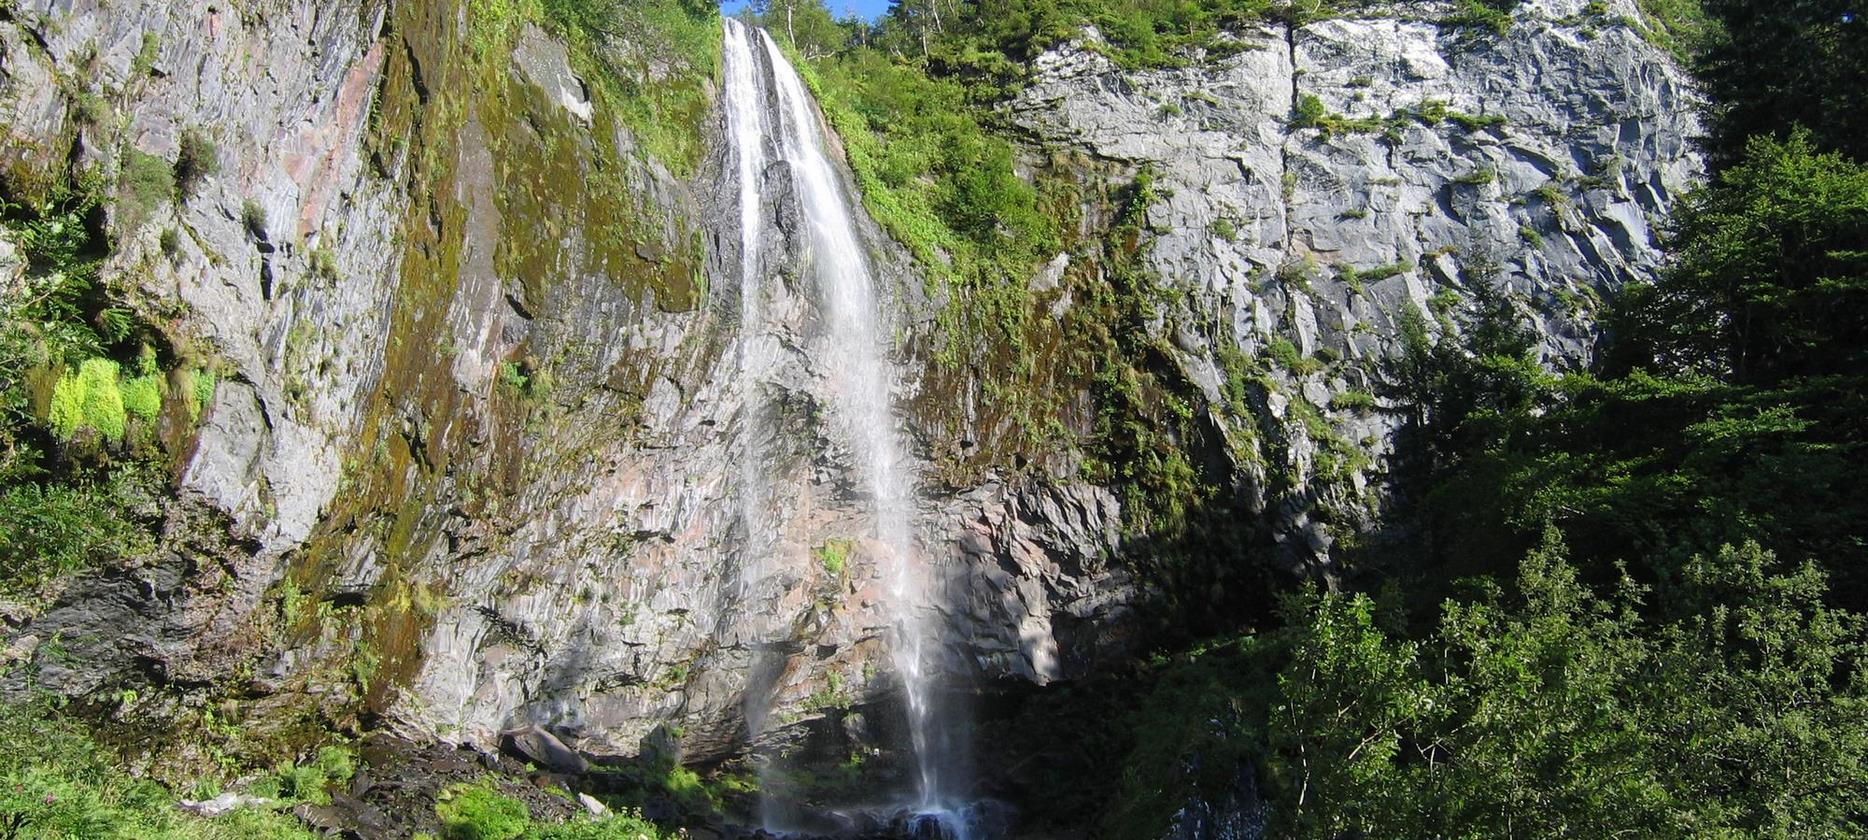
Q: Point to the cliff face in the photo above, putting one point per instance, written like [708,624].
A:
[1310,189]
[470,463]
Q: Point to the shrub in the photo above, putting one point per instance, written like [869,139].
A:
[92,109]
[1223,228]
[1477,177]
[311,781]
[1308,113]
[148,180]
[196,159]
[253,218]
[323,263]
[512,379]
[478,812]
[146,55]
[1286,355]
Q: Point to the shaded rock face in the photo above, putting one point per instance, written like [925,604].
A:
[478,420]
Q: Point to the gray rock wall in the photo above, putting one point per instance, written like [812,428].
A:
[1540,161]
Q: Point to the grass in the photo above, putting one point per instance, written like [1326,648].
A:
[1286,355]
[55,782]
[146,182]
[1360,402]
[664,110]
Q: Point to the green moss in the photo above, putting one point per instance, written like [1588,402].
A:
[66,412]
[834,555]
[89,399]
[198,386]
[1472,122]
[142,396]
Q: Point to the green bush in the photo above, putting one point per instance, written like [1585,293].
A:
[148,181]
[311,781]
[195,159]
[478,812]
[1309,112]
[512,379]
[253,218]
[1287,356]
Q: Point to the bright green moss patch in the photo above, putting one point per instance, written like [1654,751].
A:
[88,399]
[834,556]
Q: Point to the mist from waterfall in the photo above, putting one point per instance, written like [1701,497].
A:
[770,113]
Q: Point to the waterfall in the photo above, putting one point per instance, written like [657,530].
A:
[770,113]
[756,355]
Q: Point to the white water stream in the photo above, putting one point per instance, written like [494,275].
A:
[770,114]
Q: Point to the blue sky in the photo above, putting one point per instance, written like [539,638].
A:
[870,9]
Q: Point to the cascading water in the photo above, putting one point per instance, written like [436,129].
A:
[755,356]
[770,111]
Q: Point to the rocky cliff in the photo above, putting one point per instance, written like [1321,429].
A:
[470,463]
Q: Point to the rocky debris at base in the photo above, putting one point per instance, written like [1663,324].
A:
[226,803]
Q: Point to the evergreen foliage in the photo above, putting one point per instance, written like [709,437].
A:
[1779,66]
[1735,708]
